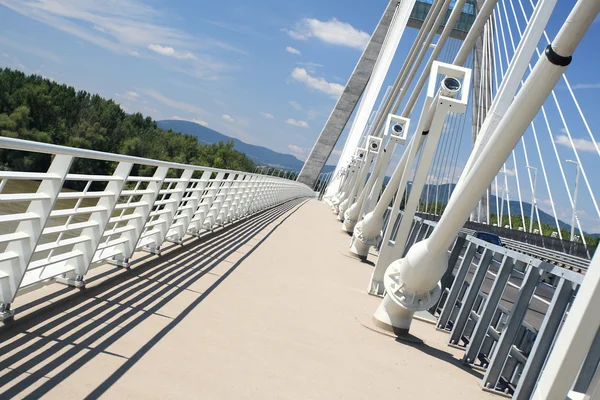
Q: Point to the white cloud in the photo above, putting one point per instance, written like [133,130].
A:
[205,67]
[115,25]
[332,89]
[295,105]
[580,143]
[170,52]
[332,32]
[586,86]
[336,152]
[227,118]
[125,27]
[195,120]
[310,66]
[173,103]
[131,95]
[292,50]
[295,149]
[267,115]
[300,124]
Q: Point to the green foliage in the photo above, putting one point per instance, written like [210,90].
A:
[515,220]
[34,108]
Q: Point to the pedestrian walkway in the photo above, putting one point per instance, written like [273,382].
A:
[269,308]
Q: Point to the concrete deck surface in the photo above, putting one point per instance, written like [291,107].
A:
[268,309]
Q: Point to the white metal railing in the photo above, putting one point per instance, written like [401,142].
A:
[49,233]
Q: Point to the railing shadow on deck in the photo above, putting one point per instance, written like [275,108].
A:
[65,336]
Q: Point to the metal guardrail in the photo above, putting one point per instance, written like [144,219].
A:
[572,250]
[496,339]
[561,259]
[50,234]
[568,261]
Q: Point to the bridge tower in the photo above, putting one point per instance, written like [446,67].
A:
[363,71]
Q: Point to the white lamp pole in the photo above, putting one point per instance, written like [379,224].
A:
[412,283]
[574,218]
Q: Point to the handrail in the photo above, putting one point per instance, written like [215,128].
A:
[47,148]
[58,235]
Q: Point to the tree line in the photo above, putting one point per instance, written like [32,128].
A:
[38,109]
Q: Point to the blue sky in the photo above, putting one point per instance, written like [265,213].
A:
[267,72]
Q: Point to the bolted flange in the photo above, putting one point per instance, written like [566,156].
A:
[403,296]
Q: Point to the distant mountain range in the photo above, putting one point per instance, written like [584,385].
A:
[260,155]
[264,156]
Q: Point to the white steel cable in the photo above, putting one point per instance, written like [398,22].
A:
[500,63]
[462,129]
[556,151]
[584,119]
[513,152]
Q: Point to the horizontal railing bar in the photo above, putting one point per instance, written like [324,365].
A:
[26,145]
[124,218]
[34,176]
[98,178]
[83,195]
[71,227]
[72,211]
[54,259]
[28,216]
[11,197]
[63,243]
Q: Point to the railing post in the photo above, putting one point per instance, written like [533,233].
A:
[230,199]
[173,226]
[188,207]
[15,259]
[221,196]
[238,198]
[201,214]
[147,204]
[246,199]
[446,280]
[258,197]
[252,188]
[221,214]
[508,334]
[491,304]
[544,340]
[470,297]
[459,280]
[82,264]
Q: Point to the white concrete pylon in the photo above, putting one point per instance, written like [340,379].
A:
[373,89]
[412,283]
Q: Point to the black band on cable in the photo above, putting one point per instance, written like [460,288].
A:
[425,132]
[556,58]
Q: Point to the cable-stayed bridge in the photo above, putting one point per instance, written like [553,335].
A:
[188,280]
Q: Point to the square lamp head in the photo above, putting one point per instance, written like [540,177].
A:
[454,87]
[374,144]
[398,127]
